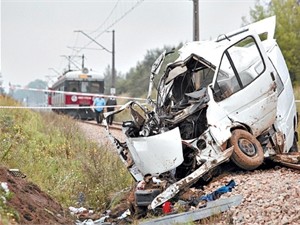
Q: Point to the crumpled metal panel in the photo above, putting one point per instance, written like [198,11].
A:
[157,154]
[173,189]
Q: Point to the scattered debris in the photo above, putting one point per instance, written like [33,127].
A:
[211,208]
[17,173]
[202,201]
[291,160]
[5,187]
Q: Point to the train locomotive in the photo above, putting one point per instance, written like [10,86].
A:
[74,91]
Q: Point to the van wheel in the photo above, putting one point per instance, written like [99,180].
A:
[247,152]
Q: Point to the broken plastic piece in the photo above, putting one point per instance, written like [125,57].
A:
[145,197]
[16,173]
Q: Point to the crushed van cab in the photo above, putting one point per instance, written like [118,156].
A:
[225,99]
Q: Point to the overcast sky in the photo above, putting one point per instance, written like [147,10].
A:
[37,34]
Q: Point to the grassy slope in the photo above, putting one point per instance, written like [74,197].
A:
[53,153]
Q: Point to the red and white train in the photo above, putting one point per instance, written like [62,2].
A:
[74,92]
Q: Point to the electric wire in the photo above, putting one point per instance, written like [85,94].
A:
[114,23]
[107,18]
[76,50]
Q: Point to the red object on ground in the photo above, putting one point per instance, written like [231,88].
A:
[167,207]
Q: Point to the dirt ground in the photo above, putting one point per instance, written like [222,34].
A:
[33,205]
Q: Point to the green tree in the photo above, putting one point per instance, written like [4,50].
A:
[135,82]
[287,33]
[108,81]
[137,79]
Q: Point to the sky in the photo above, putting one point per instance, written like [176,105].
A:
[37,36]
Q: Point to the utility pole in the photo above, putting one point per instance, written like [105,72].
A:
[113,75]
[196,20]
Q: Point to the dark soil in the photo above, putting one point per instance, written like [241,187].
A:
[32,204]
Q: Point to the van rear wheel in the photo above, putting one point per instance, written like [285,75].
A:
[247,153]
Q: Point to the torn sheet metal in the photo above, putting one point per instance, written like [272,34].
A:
[157,154]
[291,160]
[173,189]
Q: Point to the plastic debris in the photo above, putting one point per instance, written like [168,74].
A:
[17,173]
[124,215]
[77,210]
[5,187]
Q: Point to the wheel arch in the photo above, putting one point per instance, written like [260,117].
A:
[242,126]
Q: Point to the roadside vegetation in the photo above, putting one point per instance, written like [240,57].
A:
[55,155]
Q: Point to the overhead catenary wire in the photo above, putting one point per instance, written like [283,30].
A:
[107,18]
[112,24]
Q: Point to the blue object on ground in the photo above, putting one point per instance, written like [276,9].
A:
[217,193]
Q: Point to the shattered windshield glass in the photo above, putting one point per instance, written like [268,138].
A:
[183,78]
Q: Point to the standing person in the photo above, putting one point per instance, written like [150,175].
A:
[99,102]
[111,102]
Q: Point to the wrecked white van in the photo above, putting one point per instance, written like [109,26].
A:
[226,99]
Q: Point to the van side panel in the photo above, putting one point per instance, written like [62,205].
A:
[286,108]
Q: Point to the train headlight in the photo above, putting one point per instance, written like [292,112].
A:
[74,98]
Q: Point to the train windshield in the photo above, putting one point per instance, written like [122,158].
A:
[85,86]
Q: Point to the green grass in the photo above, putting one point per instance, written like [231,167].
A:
[7,214]
[53,153]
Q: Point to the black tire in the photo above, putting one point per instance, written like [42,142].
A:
[247,153]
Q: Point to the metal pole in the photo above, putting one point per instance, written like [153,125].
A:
[196,20]
[82,62]
[113,79]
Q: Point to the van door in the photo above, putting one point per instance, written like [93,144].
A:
[245,86]
[286,121]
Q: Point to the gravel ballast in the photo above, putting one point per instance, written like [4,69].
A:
[270,196]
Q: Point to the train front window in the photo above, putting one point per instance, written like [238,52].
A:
[96,86]
[72,86]
[85,86]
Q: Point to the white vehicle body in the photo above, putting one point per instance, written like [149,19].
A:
[226,99]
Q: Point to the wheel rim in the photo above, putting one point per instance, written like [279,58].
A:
[247,147]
